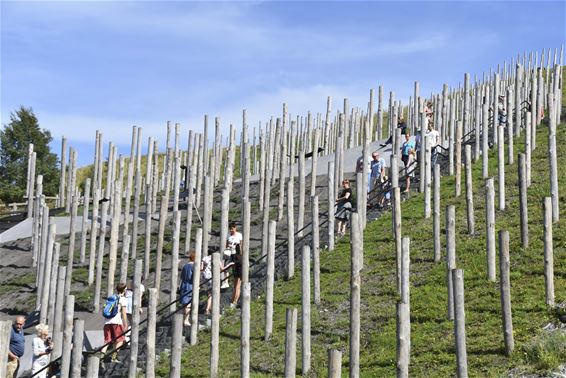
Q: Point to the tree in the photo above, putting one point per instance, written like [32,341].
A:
[15,138]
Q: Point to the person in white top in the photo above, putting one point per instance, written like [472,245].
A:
[42,347]
[115,327]
[234,244]
[433,139]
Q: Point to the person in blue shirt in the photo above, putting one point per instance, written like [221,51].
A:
[408,156]
[186,288]
[17,347]
[377,171]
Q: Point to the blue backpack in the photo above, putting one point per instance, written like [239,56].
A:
[111,307]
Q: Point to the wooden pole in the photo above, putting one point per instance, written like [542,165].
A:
[53,286]
[93,364]
[100,258]
[490,228]
[270,280]
[94,226]
[160,235]
[62,181]
[47,279]
[405,265]
[116,202]
[356,246]
[501,166]
[548,253]
[136,306]
[436,213]
[397,232]
[196,286]
[290,230]
[458,158]
[246,250]
[485,141]
[71,254]
[175,259]
[331,201]
[5,332]
[426,176]
[552,158]
[266,209]
[291,343]
[58,317]
[78,337]
[510,148]
[136,214]
[124,260]
[176,345]
[67,336]
[306,310]
[334,363]
[301,208]
[528,149]
[403,339]
[505,290]
[84,228]
[245,331]
[315,250]
[523,211]
[459,323]
[469,191]
[215,328]
[450,255]
[150,338]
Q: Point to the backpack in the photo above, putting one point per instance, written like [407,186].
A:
[111,306]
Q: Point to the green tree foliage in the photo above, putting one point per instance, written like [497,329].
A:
[15,138]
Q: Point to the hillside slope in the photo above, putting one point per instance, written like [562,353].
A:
[432,341]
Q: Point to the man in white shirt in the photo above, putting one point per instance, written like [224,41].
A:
[433,139]
[234,244]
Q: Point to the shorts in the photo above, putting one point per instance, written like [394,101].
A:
[409,167]
[113,333]
[343,212]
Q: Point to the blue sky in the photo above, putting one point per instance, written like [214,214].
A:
[111,65]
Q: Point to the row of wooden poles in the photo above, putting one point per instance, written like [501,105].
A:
[459,113]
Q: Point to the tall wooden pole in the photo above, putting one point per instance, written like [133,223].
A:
[196,286]
[291,343]
[490,228]
[469,191]
[436,214]
[270,280]
[306,310]
[215,328]
[84,226]
[548,253]
[459,323]
[356,246]
[505,290]
[78,338]
[450,256]
[315,250]
[150,338]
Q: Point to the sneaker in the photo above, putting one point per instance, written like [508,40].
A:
[233,305]
[225,285]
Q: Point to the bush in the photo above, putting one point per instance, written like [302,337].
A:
[547,351]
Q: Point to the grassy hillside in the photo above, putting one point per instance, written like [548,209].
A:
[432,341]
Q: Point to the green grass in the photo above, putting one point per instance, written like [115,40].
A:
[432,341]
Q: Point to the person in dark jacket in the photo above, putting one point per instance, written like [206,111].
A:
[400,125]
